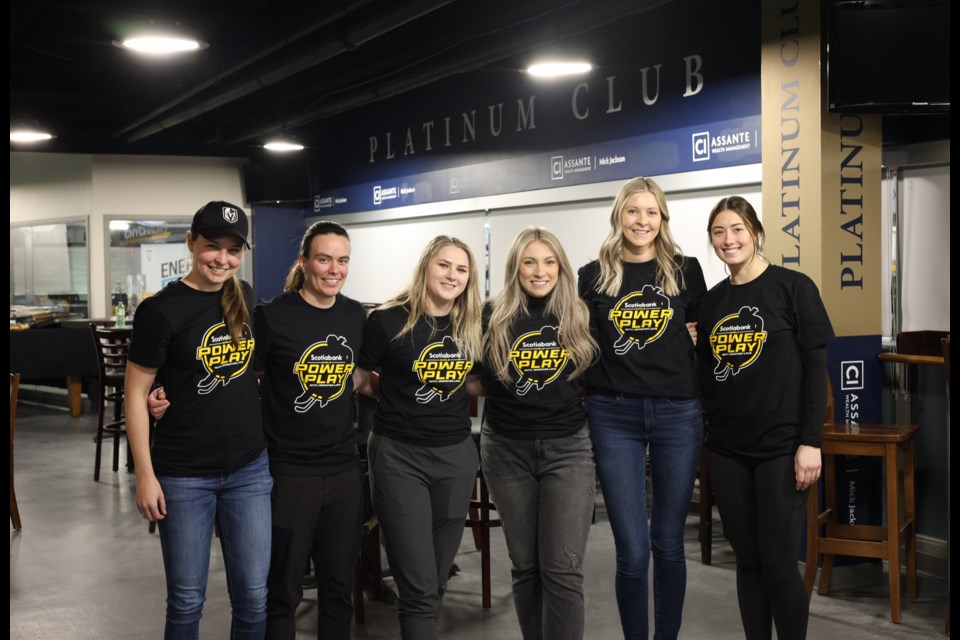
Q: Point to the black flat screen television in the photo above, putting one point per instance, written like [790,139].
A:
[281,180]
[888,56]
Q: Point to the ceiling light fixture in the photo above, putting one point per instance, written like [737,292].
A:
[160,45]
[282,146]
[555,69]
[26,135]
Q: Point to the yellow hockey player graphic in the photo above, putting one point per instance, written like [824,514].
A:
[736,342]
[442,369]
[322,371]
[538,358]
[640,318]
[222,359]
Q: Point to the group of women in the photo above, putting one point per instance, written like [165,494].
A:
[622,333]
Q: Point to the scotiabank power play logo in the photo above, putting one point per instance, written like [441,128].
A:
[539,358]
[640,318]
[442,369]
[223,359]
[323,370]
[736,342]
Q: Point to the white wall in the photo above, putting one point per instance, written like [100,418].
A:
[915,251]
[55,187]
[386,243]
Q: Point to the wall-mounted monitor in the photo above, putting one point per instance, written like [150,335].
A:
[281,180]
[888,56]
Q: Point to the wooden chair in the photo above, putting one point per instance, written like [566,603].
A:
[479,518]
[826,536]
[945,347]
[112,346]
[705,510]
[14,395]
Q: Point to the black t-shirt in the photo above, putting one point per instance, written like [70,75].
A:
[213,424]
[541,403]
[750,342]
[423,399]
[645,348]
[307,356]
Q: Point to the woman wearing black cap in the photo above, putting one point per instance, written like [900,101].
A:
[208,460]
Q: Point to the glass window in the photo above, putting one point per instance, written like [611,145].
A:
[50,267]
[145,256]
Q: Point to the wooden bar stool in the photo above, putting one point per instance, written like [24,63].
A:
[479,519]
[14,395]
[826,536]
[112,346]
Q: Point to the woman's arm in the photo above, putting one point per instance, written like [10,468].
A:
[807,461]
[138,382]
[366,382]
[475,386]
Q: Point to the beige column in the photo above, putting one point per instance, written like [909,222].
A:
[821,172]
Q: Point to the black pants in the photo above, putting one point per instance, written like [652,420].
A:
[318,516]
[421,496]
[763,517]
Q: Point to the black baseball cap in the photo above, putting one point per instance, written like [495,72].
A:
[218,218]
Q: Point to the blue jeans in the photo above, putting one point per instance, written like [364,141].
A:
[240,503]
[623,429]
[544,491]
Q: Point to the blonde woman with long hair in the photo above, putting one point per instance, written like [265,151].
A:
[643,400]
[423,461]
[535,445]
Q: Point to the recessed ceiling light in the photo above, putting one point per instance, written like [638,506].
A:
[554,69]
[278,145]
[24,135]
[119,225]
[160,45]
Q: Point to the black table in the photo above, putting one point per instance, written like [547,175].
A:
[60,350]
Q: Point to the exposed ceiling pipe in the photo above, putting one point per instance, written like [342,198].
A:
[524,38]
[203,86]
[380,25]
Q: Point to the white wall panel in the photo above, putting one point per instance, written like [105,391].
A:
[384,254]
[582,227]
[925,259]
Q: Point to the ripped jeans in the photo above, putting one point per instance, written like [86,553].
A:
[544,492]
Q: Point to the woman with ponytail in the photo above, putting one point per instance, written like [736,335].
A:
[308,339]
[208,459]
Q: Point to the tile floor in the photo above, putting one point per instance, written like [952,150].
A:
[85,567]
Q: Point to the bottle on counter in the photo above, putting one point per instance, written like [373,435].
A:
[121,319]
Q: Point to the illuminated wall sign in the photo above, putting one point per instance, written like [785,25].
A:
[677,99]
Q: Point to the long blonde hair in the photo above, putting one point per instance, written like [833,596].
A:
[564,304]
[465,315]
[668,276]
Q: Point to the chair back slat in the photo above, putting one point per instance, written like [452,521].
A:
[113,345]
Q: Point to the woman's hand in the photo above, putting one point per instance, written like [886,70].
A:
[157,403]
[806,466]
[150,500]
[692,328]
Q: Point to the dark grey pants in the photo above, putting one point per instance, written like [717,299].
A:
[544,491]
[421,496]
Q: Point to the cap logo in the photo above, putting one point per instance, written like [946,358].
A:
[230,214]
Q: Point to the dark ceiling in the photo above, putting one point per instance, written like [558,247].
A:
[270,67]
